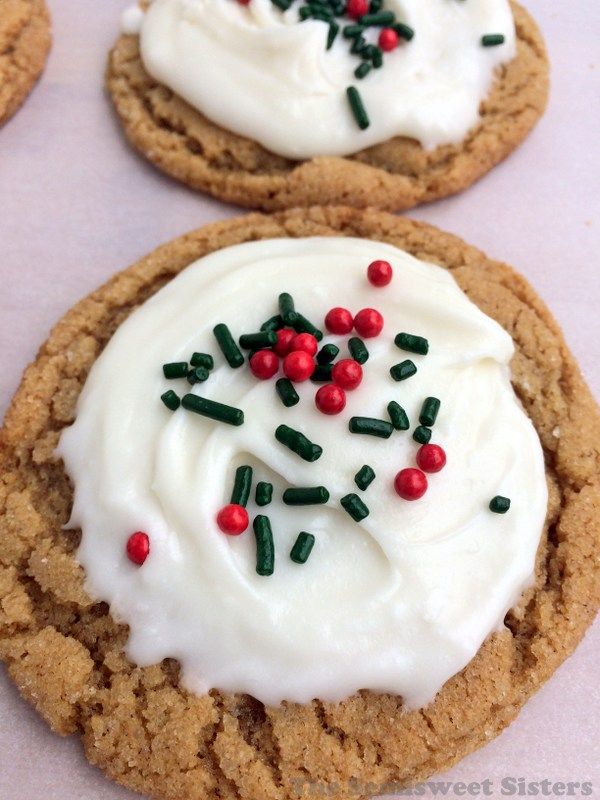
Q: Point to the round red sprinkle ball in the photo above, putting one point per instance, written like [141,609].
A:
[306,342]
[330,399]
[284,338]
[264,364]
[339,320]
[368,323]
[388,39]
[356,8]
[379,273]
[232,519]
[347,373]
[244,2]
[410,483]
[298,366]
[431,458]
[138,547]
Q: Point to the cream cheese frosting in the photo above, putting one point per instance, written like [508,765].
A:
[263,74]
[398,602]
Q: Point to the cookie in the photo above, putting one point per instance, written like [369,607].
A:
[394,175]
[65,652]
[24,46]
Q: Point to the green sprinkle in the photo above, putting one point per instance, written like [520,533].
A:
[412,343]
[352,31]
[302,547]
[354,506]
[377,57]
[358,350]
[402,371]
[364,477]
[209,408]
[370,426]
[171,400]
[287,308]
[304,13]
[242,486]
[265,549]
[306,496]
[499,504]
[356,105]
[258,341]
[398,416]
[333,31]
[362,70]
[358,44]
[429,411]
[197,375]
[322,373]
[421,434]
[491,40]
[405,31]
[264,493]
[176,369]
[229,348]
[327,354]
[287,394]
[298,443]
[282,4]
[375,6]
[382,19]
[202,360]
[303,325]
[273,324]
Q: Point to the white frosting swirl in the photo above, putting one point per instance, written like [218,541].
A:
[263,74]
[399,602]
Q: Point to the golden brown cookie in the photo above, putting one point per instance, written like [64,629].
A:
[24,46]
[65,652]
[395,175]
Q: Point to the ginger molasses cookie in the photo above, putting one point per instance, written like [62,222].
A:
[274,104]
[299,505]
[24,45]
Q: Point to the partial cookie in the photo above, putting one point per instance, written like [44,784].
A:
[24,46]
[66,653]
[395,175]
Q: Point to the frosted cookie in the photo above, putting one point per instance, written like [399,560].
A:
[24,45]
[302,505]
[279,104]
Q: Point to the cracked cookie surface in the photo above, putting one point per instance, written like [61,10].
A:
[24,46]
[65,652]
[395,175]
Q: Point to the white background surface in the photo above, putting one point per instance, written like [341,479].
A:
[76,205]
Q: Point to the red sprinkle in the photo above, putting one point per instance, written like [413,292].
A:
[138,547]
[244,2]
[298,366]
[368,323]
[347,373]
[330,399]
[380,272]
[388,39]
[339,320]
[284,338]
[233,519]
[264,364]
[410,483]
[356,8]
[431,458]
[306,342]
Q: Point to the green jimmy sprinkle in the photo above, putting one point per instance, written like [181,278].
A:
[273,323]
[171,400]
[287,394]
[358,350]
[364,477]
[197,375]
[209,408]
[265,548]
[202,360]
[354,506]
[175,369]
[302,547]
[287,309]
[256,341]
[306,496]
[356,106]
[322,373]
[242,485]
[298,443]
[228,346]
[492,39]
[398,416]
[499,504]
[264,493]
[412,343]
[327,354]
[303,325]
[422,434]
[370,426]
[402,371]
[429,411]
